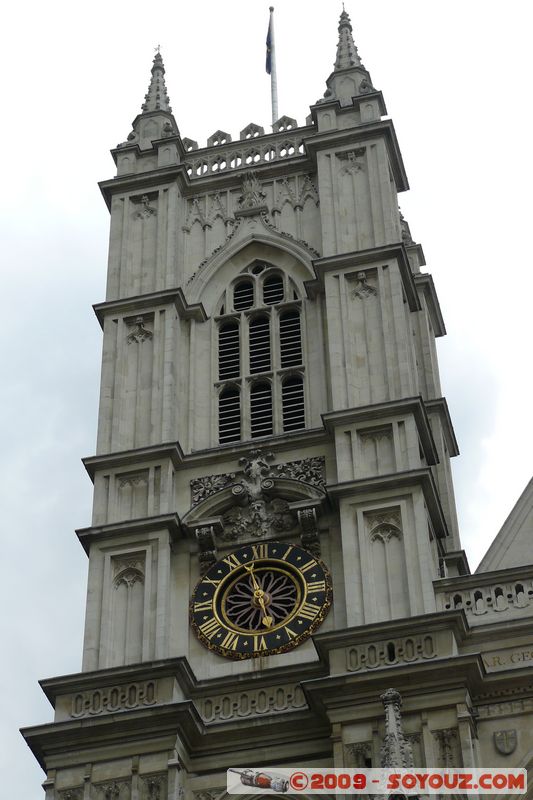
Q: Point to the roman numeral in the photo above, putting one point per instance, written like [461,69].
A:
[232,561]
[316,586]
[308,566]
[205,605]
[260,643]
[230,641]
[290,633]
[286,553]
[210,627]
[212,582]
[309,611]
[260,550]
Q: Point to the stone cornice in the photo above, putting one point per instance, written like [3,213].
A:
[397,480]
[357,100]
[167,522]
[365,259]
[440,405]
[132,458]
[143,302]
[424,282]
[379,411]
[508,575]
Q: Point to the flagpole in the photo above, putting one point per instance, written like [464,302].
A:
[273,77]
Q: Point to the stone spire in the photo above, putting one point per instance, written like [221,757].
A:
[349,78]
[155,120]
[156,98]
[347,55]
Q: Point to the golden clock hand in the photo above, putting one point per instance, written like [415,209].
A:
[259,594]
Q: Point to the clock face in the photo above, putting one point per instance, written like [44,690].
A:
[261,599]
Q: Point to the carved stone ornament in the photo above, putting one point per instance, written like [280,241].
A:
[362,288]
[396,751]
[146,209]
[207,551]
[71,794]
[446,738]
[153,787]
[407,239]
[308,470]
[384,526]
[309,536]
[139,334]
[351,159]
[360,752]
[505,741]
[259,519]
[114,790]
[253,196]
[208,794]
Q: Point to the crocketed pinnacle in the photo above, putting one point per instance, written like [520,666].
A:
[347,55]
[156,98]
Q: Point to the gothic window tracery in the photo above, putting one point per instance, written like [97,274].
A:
[260,378]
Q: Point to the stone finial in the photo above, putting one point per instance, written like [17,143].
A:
[396,751]
[347,55]
[156,98]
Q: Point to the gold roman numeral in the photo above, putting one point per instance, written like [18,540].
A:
[290,633]
[260,643]
[260,550]
[232,561]
[205,605]
[230,641]
[212,582]
[309,611]
[287,551]
[308,566]
[316,586]
[210,627]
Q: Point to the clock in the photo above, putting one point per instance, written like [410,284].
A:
[260,600]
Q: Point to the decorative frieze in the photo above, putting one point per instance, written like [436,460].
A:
[113,790]
[389,652]
[509,708]
[236,705]
[111,699]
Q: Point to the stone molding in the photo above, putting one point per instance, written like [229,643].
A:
[111,699]
[389,652]
[252,703]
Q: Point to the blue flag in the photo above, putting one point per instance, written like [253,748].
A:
[268,65]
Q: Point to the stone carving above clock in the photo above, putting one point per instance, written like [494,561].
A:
[306,470]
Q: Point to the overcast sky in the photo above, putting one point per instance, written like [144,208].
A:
[457,82]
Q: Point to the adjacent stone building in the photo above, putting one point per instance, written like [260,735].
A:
[269,388]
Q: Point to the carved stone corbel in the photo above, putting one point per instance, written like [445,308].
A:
[207,549]
[309,530]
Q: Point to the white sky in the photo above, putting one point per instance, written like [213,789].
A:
[457,82]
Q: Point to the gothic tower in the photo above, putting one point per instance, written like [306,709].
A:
[274,539]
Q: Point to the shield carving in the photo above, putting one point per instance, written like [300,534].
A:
[505,741]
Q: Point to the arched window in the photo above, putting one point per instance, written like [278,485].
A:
[259,346]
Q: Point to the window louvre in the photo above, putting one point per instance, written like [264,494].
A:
[228,351]
[292,400]
[290,338]
[243,295]
[261,410]
[229,415]
[260,345]
[273,290]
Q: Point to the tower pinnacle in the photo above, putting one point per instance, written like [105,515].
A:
[347,55]
[156,98]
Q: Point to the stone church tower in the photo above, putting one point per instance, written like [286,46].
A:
[274,541]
